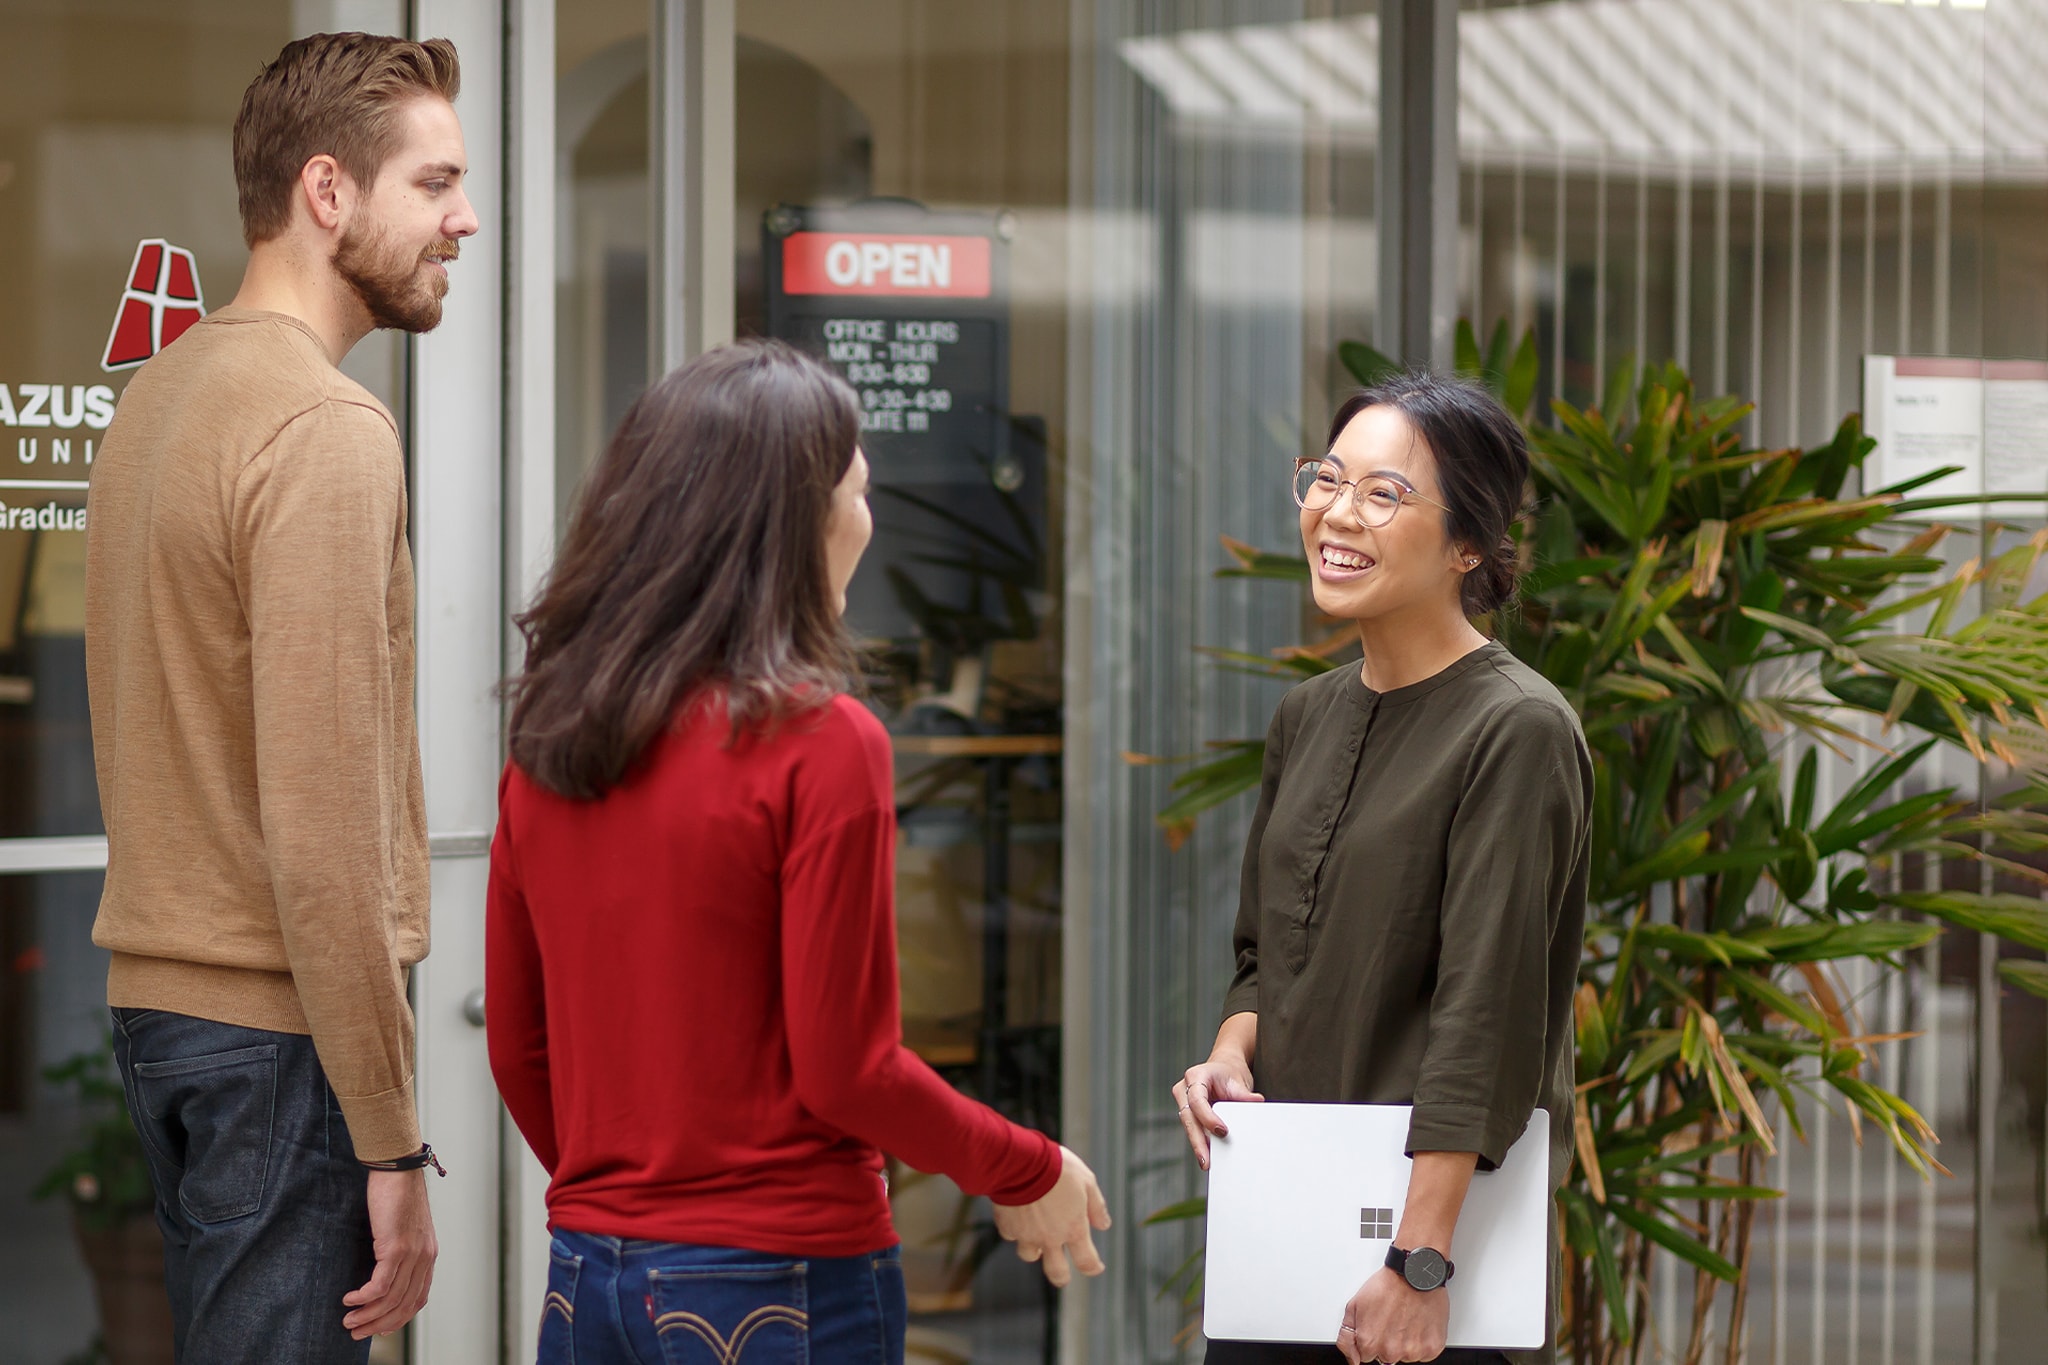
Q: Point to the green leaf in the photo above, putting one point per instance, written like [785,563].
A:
[1680,1244]
[1829,942]
[1588,1233]
[1654,1055]
[1682,1193]
[1671,860]
[1651,788]
[1800,813]
[1545,577]
[2019,919]
[1213,783]
[1198,1207]
[1518,386]
[1465,357]
[2031,977]
[1367,366]
[1620,380]
[1772,996]
[1697,947]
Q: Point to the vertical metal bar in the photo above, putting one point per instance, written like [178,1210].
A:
[995,925]
[1557,77]
[1990,1070]
[529,529]
[458,413]
[1480,322]
[1641,342]
[668,198]
[1781,1257]
[1944,244]
[1832,346]
[1600,271]
[1756,269]
[1523,285]
[1725,78]
[690,139]
[1418,180]
[1892,1054]
[1859,970]
[1904,345]
[1928,1102]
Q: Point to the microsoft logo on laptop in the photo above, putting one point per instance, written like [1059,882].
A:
[161,301]
[1376,1225]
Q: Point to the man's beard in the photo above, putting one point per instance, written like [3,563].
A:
[394,285]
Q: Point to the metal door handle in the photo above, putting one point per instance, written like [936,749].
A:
[473,1007]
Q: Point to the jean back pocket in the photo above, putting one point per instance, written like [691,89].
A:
[558,1310]
[732,1314]
[209,1121]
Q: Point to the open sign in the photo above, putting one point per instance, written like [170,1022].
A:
[897,265]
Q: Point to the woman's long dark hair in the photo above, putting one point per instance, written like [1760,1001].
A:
[695,559]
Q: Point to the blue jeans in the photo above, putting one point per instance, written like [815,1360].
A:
[616,1301]
[258,1193]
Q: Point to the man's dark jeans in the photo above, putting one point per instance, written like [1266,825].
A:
[258,1192]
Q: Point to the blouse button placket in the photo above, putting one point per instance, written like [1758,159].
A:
[1326,828]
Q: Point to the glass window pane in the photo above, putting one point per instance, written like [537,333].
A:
[601,225]
[1766,193]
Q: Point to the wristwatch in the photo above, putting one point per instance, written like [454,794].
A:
[1425,1268]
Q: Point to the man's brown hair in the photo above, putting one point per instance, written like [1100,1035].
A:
[333,94]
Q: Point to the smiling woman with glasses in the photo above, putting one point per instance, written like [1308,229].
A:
[1414,884]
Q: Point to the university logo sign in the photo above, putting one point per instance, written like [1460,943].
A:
[161,301]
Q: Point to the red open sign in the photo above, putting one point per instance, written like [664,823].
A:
[890,265]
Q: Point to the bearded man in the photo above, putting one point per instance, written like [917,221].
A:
[249,622]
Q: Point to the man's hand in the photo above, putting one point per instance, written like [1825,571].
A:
[1389,1319]
[1056,1225]
[402,1238]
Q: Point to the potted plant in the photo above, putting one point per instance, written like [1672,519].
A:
[105,1179]
[1718,614]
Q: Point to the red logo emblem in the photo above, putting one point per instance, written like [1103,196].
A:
[885,264]
[160,302]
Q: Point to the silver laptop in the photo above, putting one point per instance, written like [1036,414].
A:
[1303,1203]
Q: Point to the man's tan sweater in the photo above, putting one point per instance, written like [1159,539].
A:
[249,656]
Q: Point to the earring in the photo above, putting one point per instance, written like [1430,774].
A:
[1471,561]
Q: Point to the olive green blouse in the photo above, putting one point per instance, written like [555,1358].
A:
[1413,900]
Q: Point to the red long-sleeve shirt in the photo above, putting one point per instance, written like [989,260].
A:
[694,1016]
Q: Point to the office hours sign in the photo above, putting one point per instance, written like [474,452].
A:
[911,307]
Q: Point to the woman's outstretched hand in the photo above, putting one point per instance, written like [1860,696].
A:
[1225,1076]
[1055,1227]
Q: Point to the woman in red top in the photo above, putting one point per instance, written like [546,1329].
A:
[691,949]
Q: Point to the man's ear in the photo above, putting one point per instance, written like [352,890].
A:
[325,190]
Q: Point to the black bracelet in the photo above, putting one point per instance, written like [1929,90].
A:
[423,1157]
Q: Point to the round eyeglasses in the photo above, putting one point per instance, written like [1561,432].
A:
[1375,497]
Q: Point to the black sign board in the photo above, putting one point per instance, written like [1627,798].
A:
[911,307]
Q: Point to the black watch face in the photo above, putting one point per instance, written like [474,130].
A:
[1425,1269]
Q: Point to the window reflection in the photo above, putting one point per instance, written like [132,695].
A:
[601,227]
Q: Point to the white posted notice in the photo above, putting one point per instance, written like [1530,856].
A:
[2016,434]
[1926,414]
